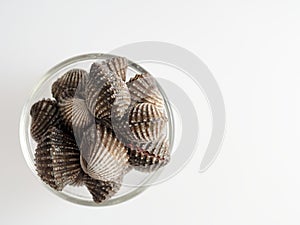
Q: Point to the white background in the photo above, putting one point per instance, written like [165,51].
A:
[251,47]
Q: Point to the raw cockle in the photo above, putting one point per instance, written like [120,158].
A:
[143,89]
[57,159]
[103,156]
[98,127]
[44,114]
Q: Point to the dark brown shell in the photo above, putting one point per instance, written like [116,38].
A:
[57,159]
[106,93]
[143,89]
[143,123]
[72,82]
[101,190]
[150,156]
[74,113]
[79,180]
[103,156]
[105,122]
[118,65]
[44,114]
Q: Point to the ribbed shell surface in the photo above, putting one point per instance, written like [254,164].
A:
[44,114]
[101,190]
[149,156]
[143,123]
[74,113]
[117,65]
[72,82]
[104,89]
[143,89]
[103,156]
[57,159]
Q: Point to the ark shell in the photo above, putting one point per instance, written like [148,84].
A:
[101,190]
[118,65]
[105,122]
[72,82]
[78,181]
[121,103]
[143,89]
[143,123]
[57,159]
[150,156]
[44,114]
[74,113]
[106,93]
[103,156]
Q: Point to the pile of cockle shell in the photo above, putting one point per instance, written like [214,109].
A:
[98,127]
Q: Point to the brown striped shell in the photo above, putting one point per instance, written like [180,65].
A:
[79,180]
[106,94]
[103,156]
[101,190]
[74,113]
[118,65]
[143,123]
[44,114]
[150,156]
[57,159]
[72,82]
[143,89]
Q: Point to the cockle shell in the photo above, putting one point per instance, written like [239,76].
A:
[44,114]
[149,156]
[106,94]
[74,113]
[105,122]
[103,156]
[57,159]
[121,103]
[143,89]
[117,65]
[72,82]
[143,123]
[101,190]
[79,180]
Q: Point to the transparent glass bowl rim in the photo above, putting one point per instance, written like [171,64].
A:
[24,137]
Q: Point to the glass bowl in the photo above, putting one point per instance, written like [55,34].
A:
[134,182]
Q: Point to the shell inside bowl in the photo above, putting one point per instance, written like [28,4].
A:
[135,181]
